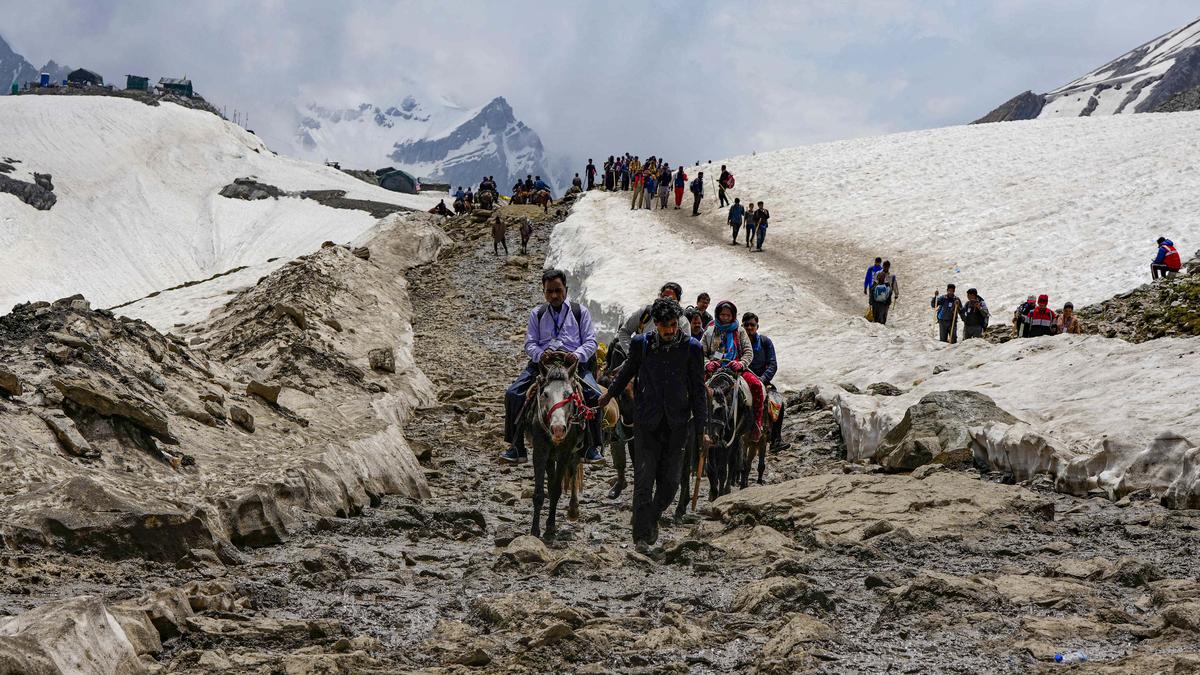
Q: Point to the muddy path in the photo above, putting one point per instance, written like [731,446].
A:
[879,574]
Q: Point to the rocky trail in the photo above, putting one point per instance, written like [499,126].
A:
[831,567]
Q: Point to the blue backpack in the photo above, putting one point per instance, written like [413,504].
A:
[881,293]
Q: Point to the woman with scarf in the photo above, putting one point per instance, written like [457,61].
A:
[727,343]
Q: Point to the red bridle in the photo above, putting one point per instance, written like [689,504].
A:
[581,408]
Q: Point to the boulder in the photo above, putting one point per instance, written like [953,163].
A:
[241,417]
[88,394]
[68,436]
[58,353]
[769,595]
[526,549]
[383,358]
[789,640]
[292,311]
[268,391]
[71,340]
[10,384]
[884,389]
[935,430]
[67,636]
[361,252]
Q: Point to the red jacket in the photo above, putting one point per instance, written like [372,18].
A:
[1041,321]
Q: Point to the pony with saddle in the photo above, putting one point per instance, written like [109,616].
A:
[556,416]
[541,198]
[730,426]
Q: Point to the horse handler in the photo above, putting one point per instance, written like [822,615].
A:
[669,367]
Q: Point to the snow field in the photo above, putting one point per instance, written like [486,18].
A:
[1069,207]
[138,208]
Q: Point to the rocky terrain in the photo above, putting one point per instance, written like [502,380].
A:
[1165,308]
[281,551]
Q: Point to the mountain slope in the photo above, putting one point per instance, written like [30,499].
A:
[14,68]
[1139,81]
[1067,207]
[138,208]
[439,141]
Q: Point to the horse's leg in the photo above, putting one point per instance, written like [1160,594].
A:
[685,476]
[504,240]
[715,464]
[618,454]
[699,472]
[576,490]
[735,464]
[539,476]
[762,458]
[556,484]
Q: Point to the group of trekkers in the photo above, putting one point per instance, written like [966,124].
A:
[670,353]
[522,192]
[1032,318]
[653,181]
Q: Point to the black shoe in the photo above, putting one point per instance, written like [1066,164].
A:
[780,447]
[514,456]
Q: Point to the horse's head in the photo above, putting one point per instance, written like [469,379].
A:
[555,393]
[613,360]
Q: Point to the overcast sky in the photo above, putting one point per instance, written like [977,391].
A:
[691,80]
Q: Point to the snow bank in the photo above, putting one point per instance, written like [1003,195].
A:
[1069,207]
[138,209]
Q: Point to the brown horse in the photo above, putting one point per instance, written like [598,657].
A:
[542,198]
[526,234]
[499,236]
[486,199]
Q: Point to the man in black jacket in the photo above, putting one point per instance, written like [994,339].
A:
[669,367]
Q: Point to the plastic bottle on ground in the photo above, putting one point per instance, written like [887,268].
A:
[1078,656]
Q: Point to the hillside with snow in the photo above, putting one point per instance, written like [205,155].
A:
[1068,207]
[138,208]
[1138,81]
[440,140]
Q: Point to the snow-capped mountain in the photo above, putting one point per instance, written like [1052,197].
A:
[138,204]
[439,141]
[14,68]
[1141,80]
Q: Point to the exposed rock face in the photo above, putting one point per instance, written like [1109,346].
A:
[128,443]
[936,430]
[70,636]
[34,194]
[1024,106]
[1166,308]
[1184,101]
[382,358]
[250,189]
[14,68]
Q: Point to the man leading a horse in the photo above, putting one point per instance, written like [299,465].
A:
[556,326]
[669,367]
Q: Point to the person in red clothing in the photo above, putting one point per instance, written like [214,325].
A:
[1042,320]
[1167,262]
[681,180]
[726,343]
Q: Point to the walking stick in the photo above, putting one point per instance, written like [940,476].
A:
[699,472]
[954,325]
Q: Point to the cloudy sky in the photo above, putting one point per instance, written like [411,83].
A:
[691,79]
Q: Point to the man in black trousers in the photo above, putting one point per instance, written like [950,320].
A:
[669,366]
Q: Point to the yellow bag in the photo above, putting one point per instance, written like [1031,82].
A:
[869,314]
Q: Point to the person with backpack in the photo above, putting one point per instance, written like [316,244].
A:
[724,182]
[636,322]
[697,193]
[765,366]
[871,272]
[681,181]
[702,302]
[884,291]
[761,217]
[590,173]
[737,213]
[609,168]
[1167,261]
[1042,320]
[975,315]
[651,183]
[1021,316]
[556,325]
[948,308]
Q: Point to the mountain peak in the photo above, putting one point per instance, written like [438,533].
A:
[15,69]
[1141,80]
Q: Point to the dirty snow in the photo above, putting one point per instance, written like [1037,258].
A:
[138,209]
[1069,207]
